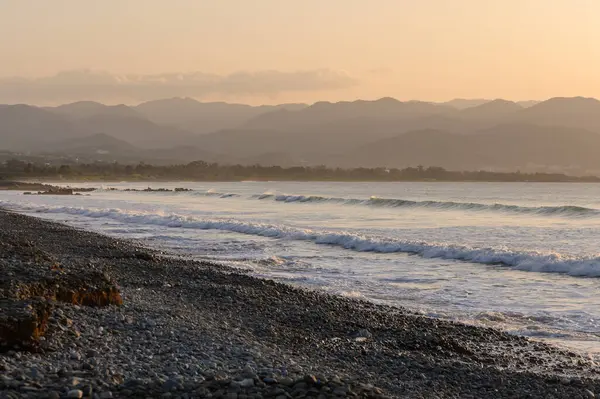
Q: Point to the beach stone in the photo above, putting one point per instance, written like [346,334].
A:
[75,393]
[589,393]
[106,395]
[249,372]
[170,385]
[91,353]
[234,386]
[301,385]
[286,381]
[247,383]
[362,333]
[87,391]
[53,395]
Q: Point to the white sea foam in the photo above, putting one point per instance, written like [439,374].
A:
[526,261]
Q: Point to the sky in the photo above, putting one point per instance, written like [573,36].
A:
[274,51]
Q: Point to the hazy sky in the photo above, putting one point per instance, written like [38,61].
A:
[299,50]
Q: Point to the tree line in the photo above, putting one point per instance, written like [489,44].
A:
[204,171]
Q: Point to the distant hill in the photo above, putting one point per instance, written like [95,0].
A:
[136,130]
[326,112]
[528,103]
[560,134]
[463,103]
[578,112]
[27,128]
[325,131]
[86,109]
[95,144]
[202,118]
[178,155]
[493,110]
[505,147]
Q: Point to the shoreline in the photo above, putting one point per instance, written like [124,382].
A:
[92,181]
[203,329]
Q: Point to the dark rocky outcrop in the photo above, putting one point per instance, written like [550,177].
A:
[31,281]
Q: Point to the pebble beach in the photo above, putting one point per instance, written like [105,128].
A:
[86,315]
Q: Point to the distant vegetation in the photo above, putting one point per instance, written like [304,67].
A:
[203,171]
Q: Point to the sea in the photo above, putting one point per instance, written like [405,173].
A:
[522,257]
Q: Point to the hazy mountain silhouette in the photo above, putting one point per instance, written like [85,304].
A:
[85,109]
[505,147]
[180,154]
[493,110]
[27,128]
[201,118]
[327,112]
[464,103]
[498,134]
[94,144]
[528,103]
[138,131]
[562,111]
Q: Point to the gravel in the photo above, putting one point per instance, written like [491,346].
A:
[194,329]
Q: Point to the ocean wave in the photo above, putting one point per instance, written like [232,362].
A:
[517,260]
[178,191]
[213,193]
[563,210]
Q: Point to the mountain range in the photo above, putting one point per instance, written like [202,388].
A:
[560,134]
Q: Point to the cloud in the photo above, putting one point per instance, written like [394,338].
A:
[103,86]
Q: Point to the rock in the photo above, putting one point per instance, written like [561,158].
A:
[310,379]
[91,353]
[234,386]
[247,383]
[87,391]
[23,322]
[288,382]
[106,395]
[589,393]
[53,395]
[75,393]
[35,374]
[269,380]
[362,333]
[301,385]
[170,385]
[248,372]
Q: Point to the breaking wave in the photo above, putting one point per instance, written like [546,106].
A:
[564,210]
[526,261]
[213,193]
